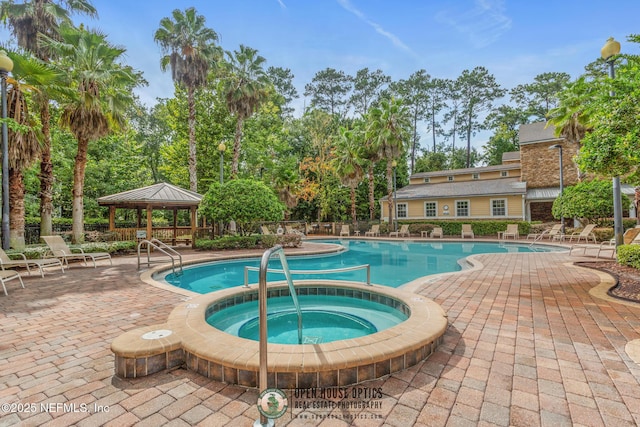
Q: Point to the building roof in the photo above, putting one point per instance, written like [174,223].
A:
[464,171]
[537,132]
[551,193]
[510,156]
[159,195]
[485,187]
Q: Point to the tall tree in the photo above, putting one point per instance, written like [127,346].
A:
[478,90]
[190,50]
[282,79]
[103,92]
[348,163]
[389,128]
[246,86]
[329,90]
[367,87]
[505,122]
[539,97]
[29,74]
[27,21]
[437,100]
[414,92]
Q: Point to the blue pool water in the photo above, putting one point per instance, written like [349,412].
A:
[324,319]
[392,263]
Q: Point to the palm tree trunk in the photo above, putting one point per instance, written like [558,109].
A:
[236,148]
[77,213]
[372,200]
[353,205]
[193,170]
[390,191]
[16,209]
[46,173]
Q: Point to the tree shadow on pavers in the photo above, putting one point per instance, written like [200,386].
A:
[114,285]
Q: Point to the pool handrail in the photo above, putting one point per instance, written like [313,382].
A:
[334,270]
[162,247]
[262,308]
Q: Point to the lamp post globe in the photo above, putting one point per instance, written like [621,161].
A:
[6,65]
[610,49]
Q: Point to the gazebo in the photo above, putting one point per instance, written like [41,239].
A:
[157,196]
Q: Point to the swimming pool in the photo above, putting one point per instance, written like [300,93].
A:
[393,263]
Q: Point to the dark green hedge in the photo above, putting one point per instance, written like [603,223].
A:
[250,242]
[451,228]
[629,255]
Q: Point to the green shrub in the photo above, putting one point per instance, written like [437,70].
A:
[629,255]
[249,242]
[454,228]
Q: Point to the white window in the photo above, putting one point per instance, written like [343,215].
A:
[427,180]
[430,209]
[462,208]
[499,207]
[450,177]
[476,176]
[504,173]
[401,210]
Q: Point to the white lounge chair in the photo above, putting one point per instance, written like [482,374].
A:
[437,232]
[375,231]
[344,231]
[586,234]
[404,231]
[40,263]
[6,275]
[511,231]
[467,231]
[59,249]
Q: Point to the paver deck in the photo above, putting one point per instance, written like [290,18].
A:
[528,345]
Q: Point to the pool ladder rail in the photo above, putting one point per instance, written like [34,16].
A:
[165,249]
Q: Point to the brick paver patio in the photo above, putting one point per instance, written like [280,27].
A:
[527,345]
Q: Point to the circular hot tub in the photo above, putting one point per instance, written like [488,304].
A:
[230,358]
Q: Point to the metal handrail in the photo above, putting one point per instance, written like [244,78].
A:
[262,308]
[165,249]
[335,270]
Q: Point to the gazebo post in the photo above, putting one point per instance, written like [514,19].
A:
[193,226]
[112,218]
[149,221]
[175,226]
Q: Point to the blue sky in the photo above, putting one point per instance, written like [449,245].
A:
[514,39]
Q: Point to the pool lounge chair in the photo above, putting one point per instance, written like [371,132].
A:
[375,231]
[290,230]
[344,231]
[586,234]
[511,231]
[40,263]
[437,232]
[404,231]
[59,249]
[551,233]
[467,231]
[265,230]
[6,275]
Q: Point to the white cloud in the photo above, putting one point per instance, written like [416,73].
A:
[483,24]
[346,4]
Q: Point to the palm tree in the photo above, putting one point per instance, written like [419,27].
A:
[190,51]
[29,75]
[348,163]
[245,86]
[569,117]
[103,92]
[389,130]
[27,20]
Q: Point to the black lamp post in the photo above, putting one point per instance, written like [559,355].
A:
[6,65]
[221,149]
[610,49]
[559,147]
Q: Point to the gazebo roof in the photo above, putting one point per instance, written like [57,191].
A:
[161,195]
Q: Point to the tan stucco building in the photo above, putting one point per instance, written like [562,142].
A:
[523,187]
